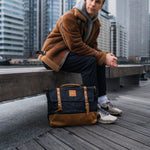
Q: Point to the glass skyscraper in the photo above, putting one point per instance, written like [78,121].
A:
[53,9]
[118,40]
[104,36]
[69,4]
[31,27]
[133,14]
[149,35]
[11,28]
[105,7]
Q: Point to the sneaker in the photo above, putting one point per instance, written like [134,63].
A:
[105,117]
[111,109]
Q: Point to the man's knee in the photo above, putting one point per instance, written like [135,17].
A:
[90,65]
[93,63]
[92,60]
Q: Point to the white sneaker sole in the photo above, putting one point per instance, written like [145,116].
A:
[107,121]
[115,113]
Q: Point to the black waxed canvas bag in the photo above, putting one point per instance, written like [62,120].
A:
[72,105]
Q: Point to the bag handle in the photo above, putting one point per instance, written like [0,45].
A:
[70,85]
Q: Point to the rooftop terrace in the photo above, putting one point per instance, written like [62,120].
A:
[26,127]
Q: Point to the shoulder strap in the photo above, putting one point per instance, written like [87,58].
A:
[60,24]
[80,22]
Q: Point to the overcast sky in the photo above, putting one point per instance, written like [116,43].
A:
[112,4]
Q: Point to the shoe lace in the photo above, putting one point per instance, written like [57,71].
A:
[103,111]
[110,104]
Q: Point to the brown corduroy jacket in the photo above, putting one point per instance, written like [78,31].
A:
[67,36]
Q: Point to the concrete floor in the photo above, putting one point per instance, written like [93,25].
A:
[22,120]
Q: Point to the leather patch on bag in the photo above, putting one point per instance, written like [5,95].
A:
[72,93]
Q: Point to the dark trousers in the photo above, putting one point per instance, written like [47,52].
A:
[91,73]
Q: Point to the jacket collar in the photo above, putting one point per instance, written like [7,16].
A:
[79,15]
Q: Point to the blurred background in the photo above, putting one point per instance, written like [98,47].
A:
[25,24]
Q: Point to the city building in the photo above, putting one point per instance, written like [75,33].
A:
[105,7]
[11,28]
[40,20]
[52,10]
[69,4]
[31,27]
[133,14]
[113,36]
[119,43]
[149,36]
[104,36]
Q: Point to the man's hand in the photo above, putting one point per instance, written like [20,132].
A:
[111,60]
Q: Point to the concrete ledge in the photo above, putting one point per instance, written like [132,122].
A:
[123,75]
[147,71]
[147,67]
[22,82]
[125,70]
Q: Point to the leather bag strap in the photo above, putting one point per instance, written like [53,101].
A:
[85,96]
[86,99]
[59,100]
